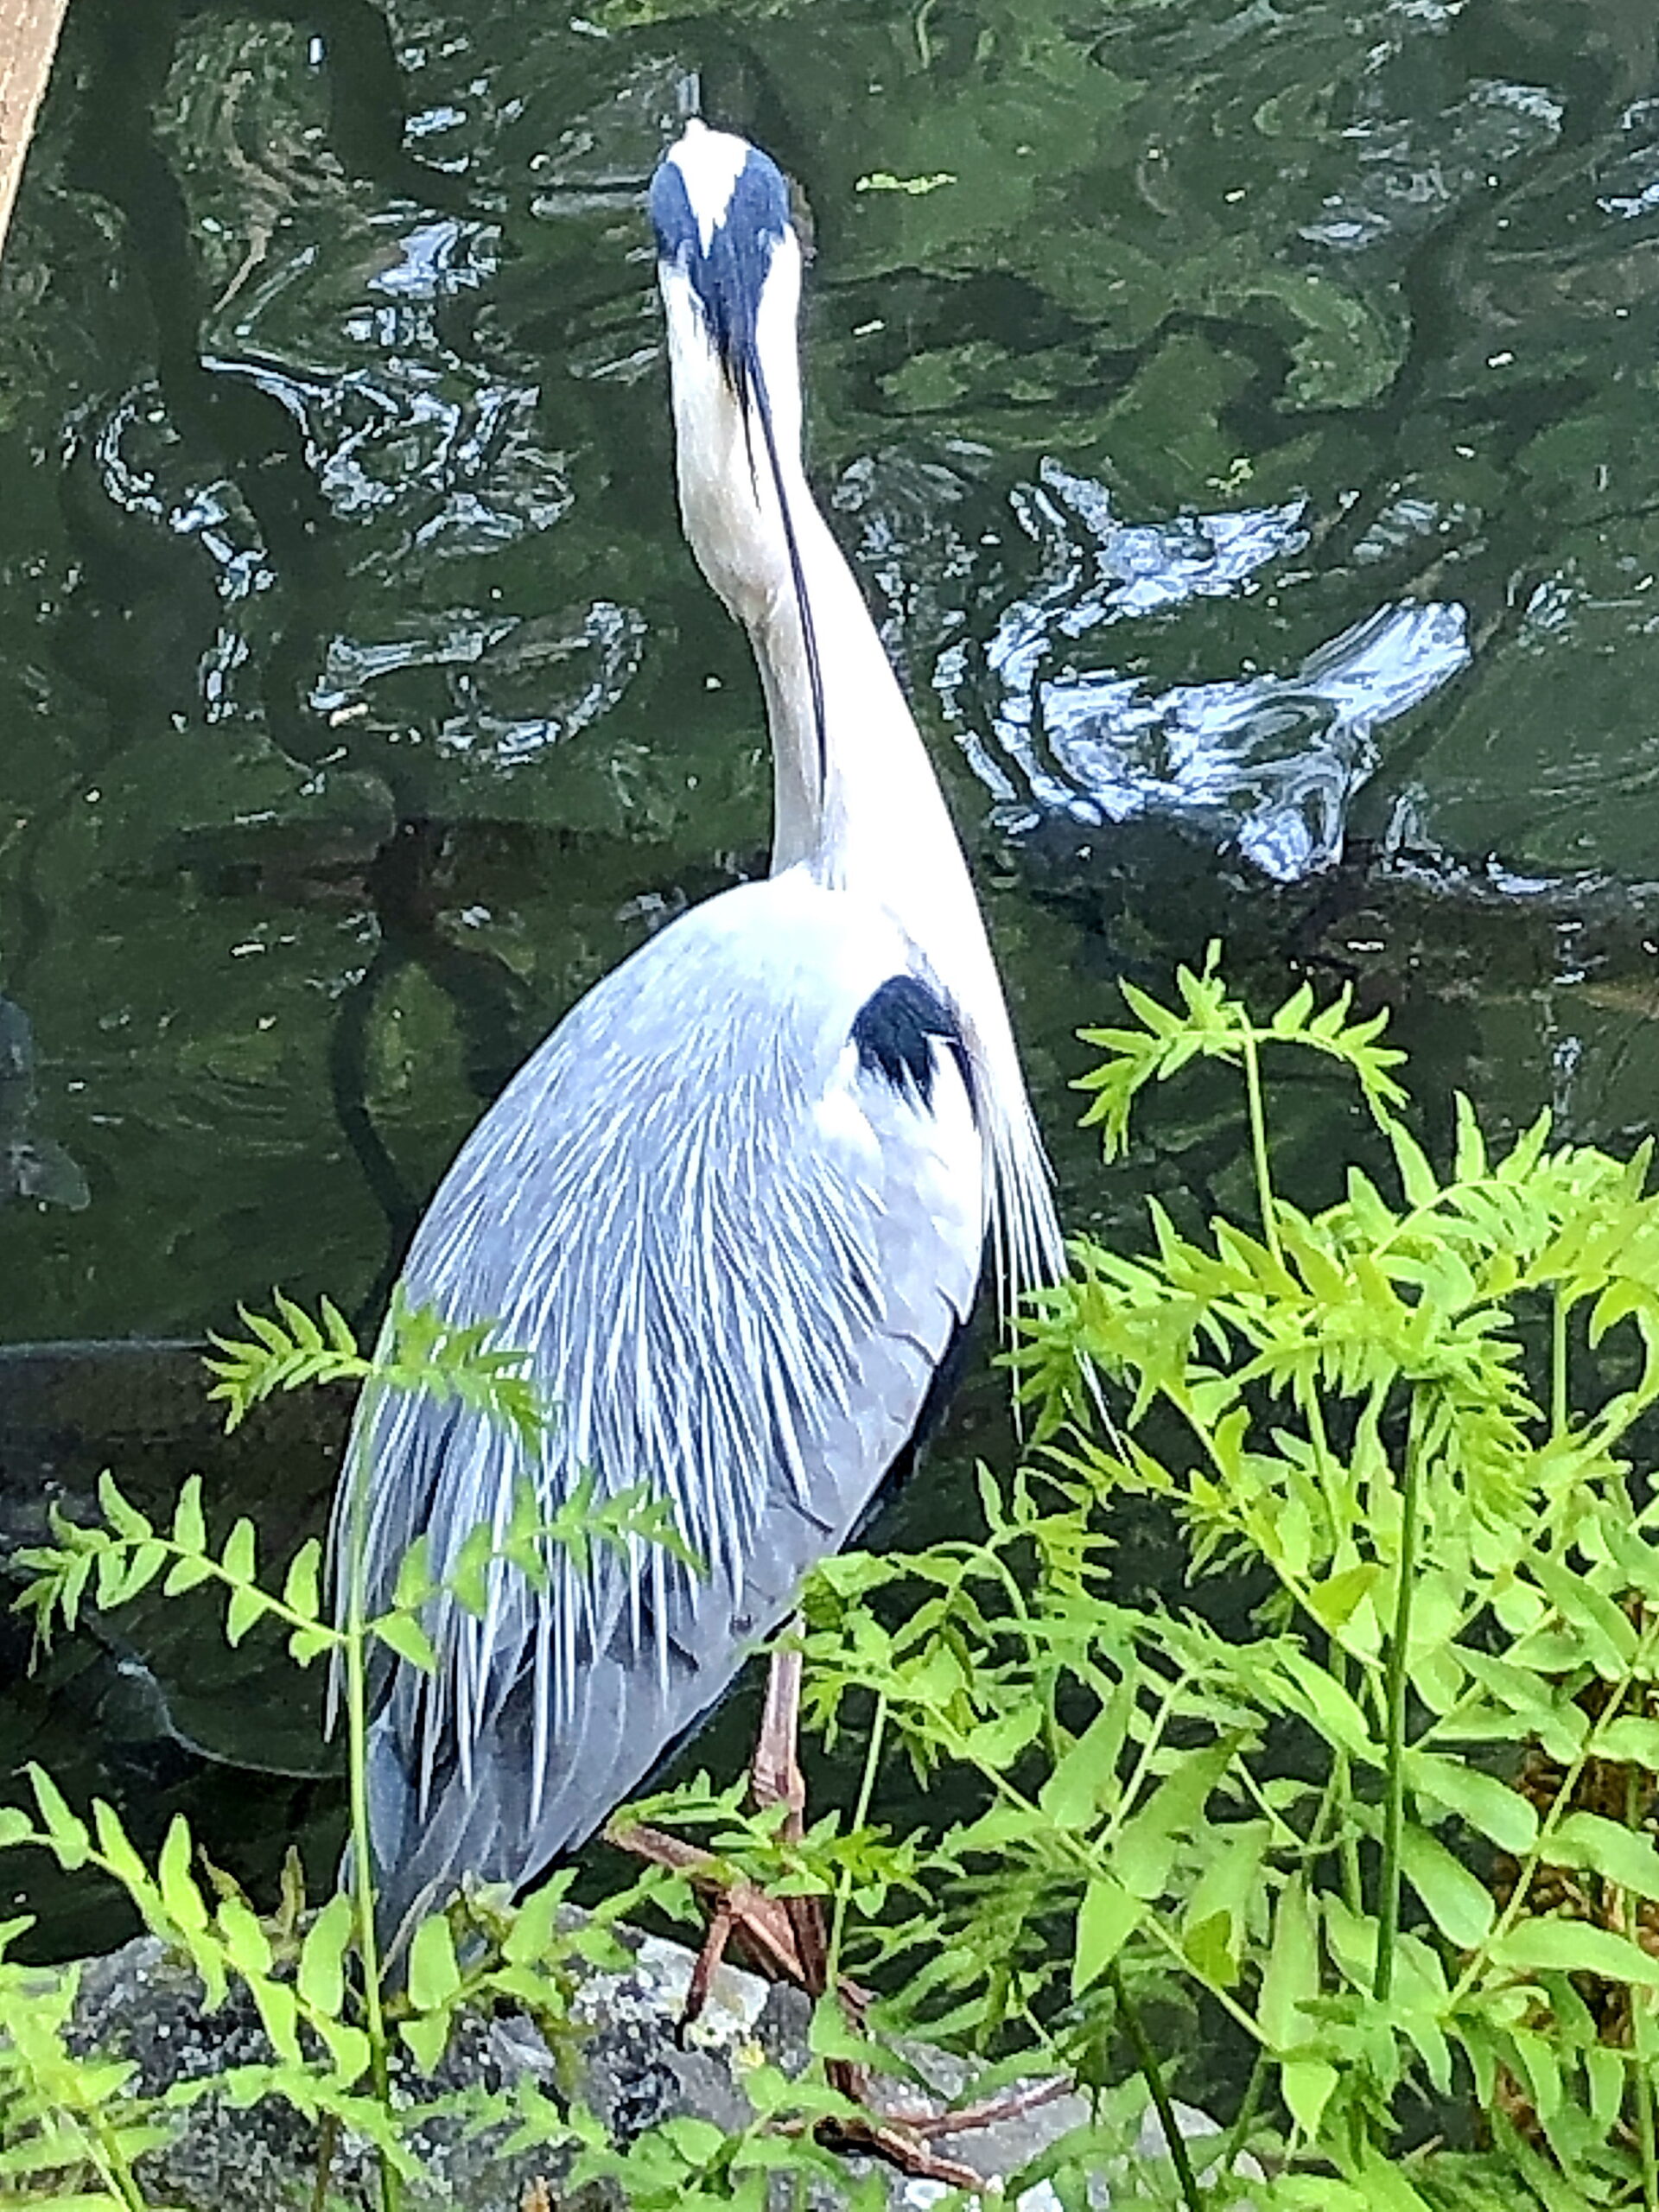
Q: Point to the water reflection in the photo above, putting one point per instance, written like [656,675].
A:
[514,686]
[1265,762]
[1412,168]
[1629,178]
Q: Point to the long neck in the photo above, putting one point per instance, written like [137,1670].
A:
[860,806]
[873,821]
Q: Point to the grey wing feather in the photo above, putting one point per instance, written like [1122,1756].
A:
[736,1254]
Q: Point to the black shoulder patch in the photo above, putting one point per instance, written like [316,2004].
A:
[894,1032]
[727,277]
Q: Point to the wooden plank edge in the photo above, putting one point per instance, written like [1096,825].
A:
[29,39]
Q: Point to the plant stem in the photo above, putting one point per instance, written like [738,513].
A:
[327,2143]
[1342,1787]
[1341,1505]
[1331,1817]
[1259,1143]
[1557,1370]
[1238,2133]
[1342,1782]
[1163,1717]
[1642,2080]
[860,1814]
[117,2175]
[1152,2074]
[1642,2071]
[357,1724]
[1395,1677]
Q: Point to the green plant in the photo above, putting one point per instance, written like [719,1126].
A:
[63,2115]
[1418,1415]
[1417,1411]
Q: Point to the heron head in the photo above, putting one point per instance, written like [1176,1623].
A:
[728,263]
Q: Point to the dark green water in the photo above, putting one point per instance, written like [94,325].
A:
[1243,420]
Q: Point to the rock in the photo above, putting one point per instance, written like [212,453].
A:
[627,2064]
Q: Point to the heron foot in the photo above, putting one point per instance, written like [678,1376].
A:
[904,2139]
[762,1926]
[786,1938]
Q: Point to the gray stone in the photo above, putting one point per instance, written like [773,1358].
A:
[628,2062]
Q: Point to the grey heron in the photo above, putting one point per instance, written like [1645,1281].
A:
[736,1207]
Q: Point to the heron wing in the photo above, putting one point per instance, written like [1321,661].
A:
[732,1210]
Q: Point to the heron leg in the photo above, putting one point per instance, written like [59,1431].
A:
[723,1919]
[775,1778]
[787,1937]
[903,2140]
